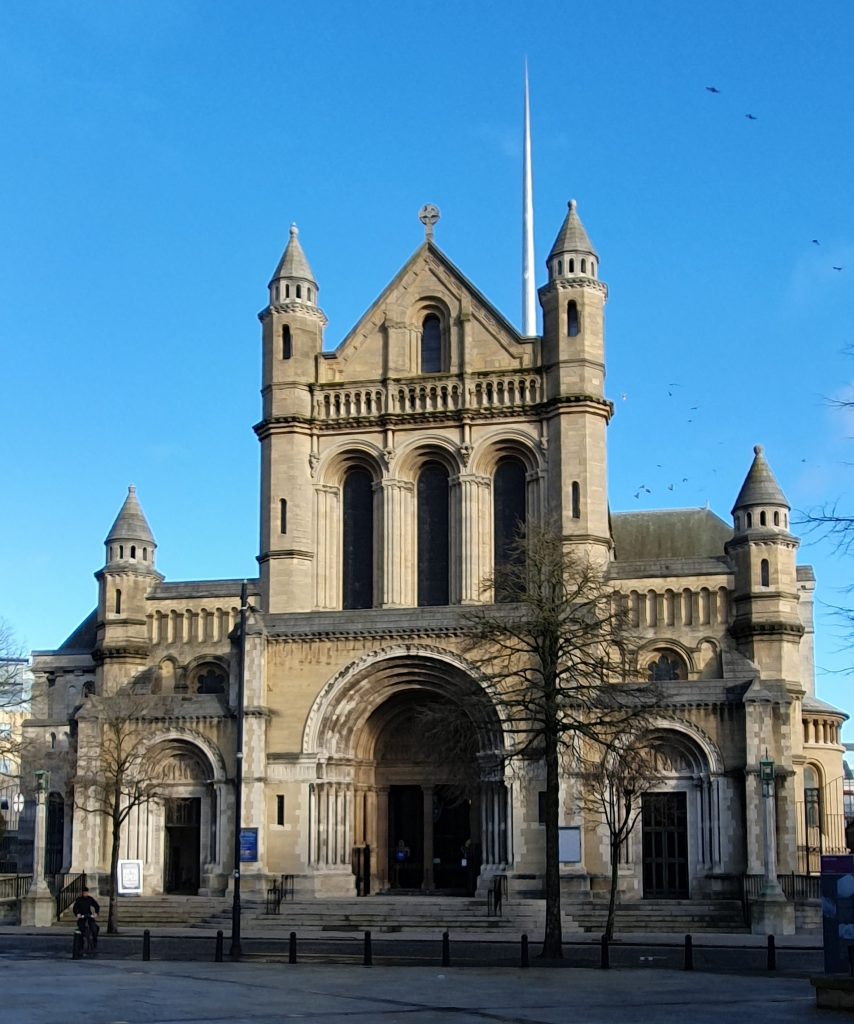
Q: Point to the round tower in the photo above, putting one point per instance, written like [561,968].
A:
[767,622]
[124,582]
[573,304]
[292,339]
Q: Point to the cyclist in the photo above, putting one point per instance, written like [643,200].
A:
[86,908]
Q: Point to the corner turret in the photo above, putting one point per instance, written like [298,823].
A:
[573,347]
[124,582]
[767,623]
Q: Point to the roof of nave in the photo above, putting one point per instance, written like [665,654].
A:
[172,589]
[83,638]
[681,533]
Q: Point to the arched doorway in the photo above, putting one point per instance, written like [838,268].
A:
[188,814]
[425,751]
[679,819]
[411,792]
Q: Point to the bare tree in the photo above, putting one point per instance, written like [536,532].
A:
[114,776]
[557,656]
[613,782]
[14,702]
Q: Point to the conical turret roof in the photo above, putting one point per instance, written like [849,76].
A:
[131,523]
[572,237]
[760,486]
[293,262]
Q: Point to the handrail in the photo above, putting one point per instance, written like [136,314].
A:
[495,896]
[281,889]
[68,888]
[13,887]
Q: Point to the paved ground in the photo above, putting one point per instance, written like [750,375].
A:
[116,992]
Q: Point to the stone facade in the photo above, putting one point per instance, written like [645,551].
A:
[388,467]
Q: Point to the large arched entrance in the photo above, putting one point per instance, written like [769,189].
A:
[413,795]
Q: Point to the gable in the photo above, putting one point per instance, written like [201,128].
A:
[386,342]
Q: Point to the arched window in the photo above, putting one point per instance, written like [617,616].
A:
[431,344]
[287,291]
[211,679]
[508,515]
[762,519]
[358,539]
[121,551]
[299,291]
[576,500]
[572,325]
[111,552]
[584,266]
[776,518]
[309,294]
[572,266]
[283,515]
[145,554]
[287,348]
[560,267]
[764,573]
[433,535]
[133,551]
[666,668]
[118,601]
[53,741]
[749,520]
[812,798]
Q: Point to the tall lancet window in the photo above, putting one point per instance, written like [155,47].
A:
[431,344]
[433,535]
[572,323]
[508,519]
[358,540]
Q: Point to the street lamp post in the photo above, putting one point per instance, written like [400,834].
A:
[235,951]
[37,907]
[771,884]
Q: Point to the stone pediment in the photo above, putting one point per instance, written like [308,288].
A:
[384,342]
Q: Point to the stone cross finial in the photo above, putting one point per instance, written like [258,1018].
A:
[429,215]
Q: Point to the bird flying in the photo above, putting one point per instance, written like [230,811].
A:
[751,117]
[711,88]
[838,268]
[815,241]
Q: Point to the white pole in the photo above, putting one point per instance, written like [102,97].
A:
[529,292]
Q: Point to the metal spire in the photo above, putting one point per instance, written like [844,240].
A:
[529,290]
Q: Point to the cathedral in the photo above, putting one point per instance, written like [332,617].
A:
[394,470]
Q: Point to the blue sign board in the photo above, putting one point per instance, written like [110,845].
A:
[248,845]
[837,909]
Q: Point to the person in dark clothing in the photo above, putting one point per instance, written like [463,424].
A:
[86,908]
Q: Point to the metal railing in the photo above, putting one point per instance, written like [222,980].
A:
[495,896]
[67,888]
[795,887]
[281,889]
[13,887]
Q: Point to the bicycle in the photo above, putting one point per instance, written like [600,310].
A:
[89,936]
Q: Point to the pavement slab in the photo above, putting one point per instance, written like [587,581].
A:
[121,992]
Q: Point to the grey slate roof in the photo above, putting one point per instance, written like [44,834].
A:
[814,704]
[293,262]
[83,638]
[130,523]
[667,534]
[572,237]
[760,486]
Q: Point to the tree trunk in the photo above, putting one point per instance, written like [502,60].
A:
[553,937]
[612,899]
[114,869]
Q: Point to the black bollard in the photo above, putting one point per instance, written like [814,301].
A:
[605,957]
[292,949]
[772,953]
[146,945]
[525,961]
[218,953]
[689,953]
[369,957]
[77,945]
[446,949]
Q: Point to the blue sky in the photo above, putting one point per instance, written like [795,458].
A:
[154,155]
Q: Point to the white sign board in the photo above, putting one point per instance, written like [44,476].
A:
[569,844]
[130,878]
